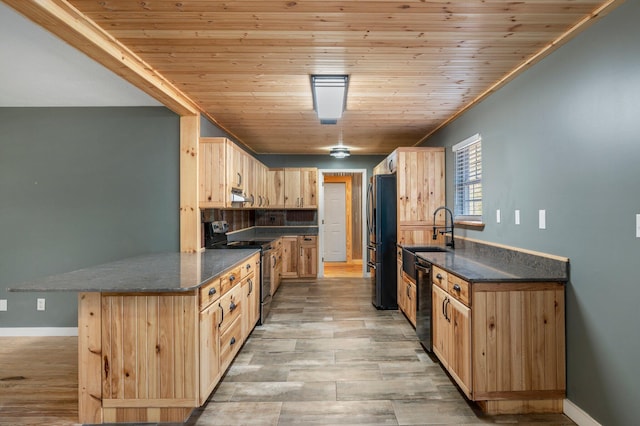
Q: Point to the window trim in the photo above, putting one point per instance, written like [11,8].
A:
[465,220]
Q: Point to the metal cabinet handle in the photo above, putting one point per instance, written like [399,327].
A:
[212,291]
[302,202]
[457,288]
[232,278]
[446,311]
[250,286]
[232,306]
[222,318]
[248,266]
[232,341]
[239,179]
[439,276]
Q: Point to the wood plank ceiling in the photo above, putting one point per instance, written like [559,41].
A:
[413,64]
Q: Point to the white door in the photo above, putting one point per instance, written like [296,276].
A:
[335,222]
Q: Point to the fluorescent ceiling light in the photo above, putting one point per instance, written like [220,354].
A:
[329,96]
[340,152]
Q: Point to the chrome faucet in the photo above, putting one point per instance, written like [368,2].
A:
[444,229]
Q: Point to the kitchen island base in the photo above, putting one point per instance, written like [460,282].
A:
[154,357]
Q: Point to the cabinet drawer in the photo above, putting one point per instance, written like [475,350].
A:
[459,289]
[308,240]
[440,278]
[231,307]
[230,343]
[249,266]
[231,278]
[209,293]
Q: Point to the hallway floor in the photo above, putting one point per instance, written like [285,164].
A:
[327,356]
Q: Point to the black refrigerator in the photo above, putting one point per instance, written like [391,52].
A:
[381,244]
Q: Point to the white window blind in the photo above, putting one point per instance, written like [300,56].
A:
[468,179]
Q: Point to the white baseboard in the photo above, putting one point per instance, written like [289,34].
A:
[38,331]
[576,414]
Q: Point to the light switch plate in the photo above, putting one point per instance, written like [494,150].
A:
[638,226]
[40,304]
[542,219]
[498,216]
[517,216]
[3,304]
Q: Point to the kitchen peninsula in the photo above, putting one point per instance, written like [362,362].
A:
[156,332]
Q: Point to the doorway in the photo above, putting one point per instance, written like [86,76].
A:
[341,221]
[335,221]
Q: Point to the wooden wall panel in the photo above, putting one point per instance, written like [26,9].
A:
[89,358]
[162,329]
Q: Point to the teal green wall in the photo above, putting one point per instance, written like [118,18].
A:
[80,187]
[565,137]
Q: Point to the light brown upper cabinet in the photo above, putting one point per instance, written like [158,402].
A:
[300,188]
[275,189]
[420,187]
[224,167]
[212,179]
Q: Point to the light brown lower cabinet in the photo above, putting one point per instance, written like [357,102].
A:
[407,294]
[300,256]
[503,343]
[146,357]
[308,263]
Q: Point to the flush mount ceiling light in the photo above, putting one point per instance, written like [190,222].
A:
[340,152]
[329,96]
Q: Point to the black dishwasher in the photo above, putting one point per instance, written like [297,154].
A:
[424,308]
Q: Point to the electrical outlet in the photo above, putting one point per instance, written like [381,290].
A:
[40,304]
[498,216]
[542,219]
[517,217]
[638,226]
[3,304]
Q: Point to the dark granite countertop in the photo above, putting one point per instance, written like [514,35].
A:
[501,266]
[159,272]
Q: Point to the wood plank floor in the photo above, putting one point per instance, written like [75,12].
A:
[324,356]
[343,269]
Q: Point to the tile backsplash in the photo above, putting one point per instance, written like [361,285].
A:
[241,219]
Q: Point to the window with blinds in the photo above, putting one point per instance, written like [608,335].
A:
[468,179]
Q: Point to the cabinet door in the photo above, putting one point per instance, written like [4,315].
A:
[275,189]
[440,325]
[309,188]
[235,166]
[412,303]
[292,194]
[290,257]
[421,186]
[460,344]
[251,310]
[308,264]
[209,351]
[212,173]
